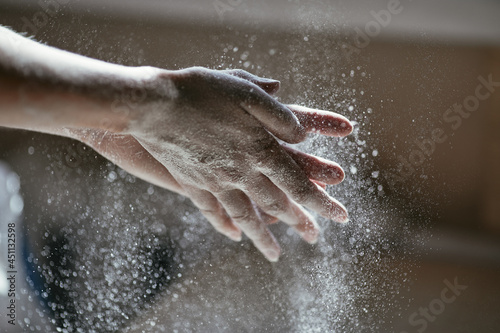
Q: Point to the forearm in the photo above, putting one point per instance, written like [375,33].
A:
[45,89]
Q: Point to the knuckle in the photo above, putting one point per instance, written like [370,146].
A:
[276,207]
[266,144]
[240,72]
[265,149]
[185,77]
[206,204]
[303,193]
[214,187]
[208,211]
[243,217]
[230,175]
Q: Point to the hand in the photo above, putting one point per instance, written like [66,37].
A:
[212,142]
[210,135]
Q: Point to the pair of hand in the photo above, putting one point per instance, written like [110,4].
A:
[213,137]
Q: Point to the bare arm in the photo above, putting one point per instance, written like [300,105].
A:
[209,135]
[45,88]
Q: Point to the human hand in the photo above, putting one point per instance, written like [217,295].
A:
[212,142]
[210,135]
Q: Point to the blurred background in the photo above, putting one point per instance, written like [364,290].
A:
[421,80]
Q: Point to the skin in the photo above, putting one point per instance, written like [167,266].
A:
[217,137]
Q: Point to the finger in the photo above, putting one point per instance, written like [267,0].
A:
[284,172]
[274,116]
[241,210]
[322,122]
[320,184]
[210,207]
[270,86]
[317,168]
[266,218]
[275,203]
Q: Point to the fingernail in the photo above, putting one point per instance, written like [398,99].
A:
[272,255]
[271,86]
[266,80]
[343,218]
[311,237]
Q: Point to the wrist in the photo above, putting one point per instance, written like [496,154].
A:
[146,98]
[125,96]
[46,89]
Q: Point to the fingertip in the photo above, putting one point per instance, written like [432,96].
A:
[342,220]
[297,135]
[346,216]
[297,132]
[320,171]
[342,216]
[311,236]
[338,126]
[235,236]
[336,211]
[312,241]
[272,255]
[331,174]
[346,128]
[340,174]
[275,117]
[269,86]
[309,230]
[322,122]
